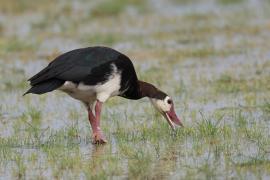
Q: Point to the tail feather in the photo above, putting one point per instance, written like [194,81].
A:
[40,77]
[45,86]
[39,74]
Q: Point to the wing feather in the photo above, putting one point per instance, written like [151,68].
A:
[77,65]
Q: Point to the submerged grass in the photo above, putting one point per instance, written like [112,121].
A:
[115,7]
[229,2]
[214,65]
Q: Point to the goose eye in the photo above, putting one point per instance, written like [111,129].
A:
[169,101]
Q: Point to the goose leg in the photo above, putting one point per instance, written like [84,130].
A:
[98,136]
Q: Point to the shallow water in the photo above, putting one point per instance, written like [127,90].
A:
[212,57]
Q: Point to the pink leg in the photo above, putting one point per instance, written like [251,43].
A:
[95,124]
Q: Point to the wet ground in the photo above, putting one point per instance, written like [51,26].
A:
[212,57]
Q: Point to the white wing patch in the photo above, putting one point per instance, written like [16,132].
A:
[111,87]
[102,92]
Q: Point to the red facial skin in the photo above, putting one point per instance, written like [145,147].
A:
[172,117]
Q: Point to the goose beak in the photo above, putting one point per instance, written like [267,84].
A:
[172,118]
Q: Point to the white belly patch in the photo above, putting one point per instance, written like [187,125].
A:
[90,93]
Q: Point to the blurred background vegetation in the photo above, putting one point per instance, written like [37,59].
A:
[212,56]
[41,29]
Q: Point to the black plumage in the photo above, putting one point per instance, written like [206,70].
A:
[93,75]
[91,66]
